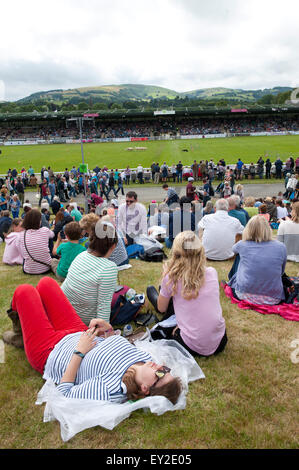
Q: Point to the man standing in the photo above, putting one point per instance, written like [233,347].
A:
[139,170]
[179,172]
[157,173]
[278,166]
[268,168]
[194,168]
[218,232]
[131,218]
[20,190]
[239,169]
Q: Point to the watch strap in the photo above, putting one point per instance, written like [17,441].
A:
[79,353]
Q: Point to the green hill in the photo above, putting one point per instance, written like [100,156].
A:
[145,93]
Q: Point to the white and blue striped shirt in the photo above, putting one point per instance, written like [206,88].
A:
[100,373]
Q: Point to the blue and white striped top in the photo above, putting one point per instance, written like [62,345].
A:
[99,376]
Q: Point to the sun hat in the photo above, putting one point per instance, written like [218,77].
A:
[190,178]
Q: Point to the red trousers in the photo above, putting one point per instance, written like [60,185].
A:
[46,316]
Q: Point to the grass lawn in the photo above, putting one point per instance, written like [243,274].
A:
[249,398]
[116,155]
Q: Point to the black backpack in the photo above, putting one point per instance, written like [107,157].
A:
[154,254]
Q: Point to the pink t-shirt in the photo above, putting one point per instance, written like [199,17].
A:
[12,253]
[200,320]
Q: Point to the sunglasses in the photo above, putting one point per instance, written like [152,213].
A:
[160,373]
[130,201]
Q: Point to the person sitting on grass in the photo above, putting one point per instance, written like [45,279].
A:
[12,254]
[262,210]
[34,244]
[193,289]
[67,249]
[288,233]
[86,362]
[258,274]
[92,278]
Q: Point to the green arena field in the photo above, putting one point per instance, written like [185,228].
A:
[117,155]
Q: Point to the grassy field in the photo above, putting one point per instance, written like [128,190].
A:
[116,155]
[248,400]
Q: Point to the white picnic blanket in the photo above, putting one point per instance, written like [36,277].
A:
[75,415]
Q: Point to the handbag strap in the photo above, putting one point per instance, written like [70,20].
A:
[33,259]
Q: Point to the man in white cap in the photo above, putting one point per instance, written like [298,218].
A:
[190,189]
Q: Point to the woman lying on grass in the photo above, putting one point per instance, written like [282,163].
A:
[194,290]
[79,358]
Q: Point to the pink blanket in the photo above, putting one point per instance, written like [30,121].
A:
[287,311]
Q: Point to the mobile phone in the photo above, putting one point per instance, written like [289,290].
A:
[118,288]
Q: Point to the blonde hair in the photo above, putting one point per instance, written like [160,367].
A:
[88,221]
[187,264]
[249,201]
[257,230]
[295,212]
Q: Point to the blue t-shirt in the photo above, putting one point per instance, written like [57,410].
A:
[260,268]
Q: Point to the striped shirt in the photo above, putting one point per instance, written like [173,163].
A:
[99,376]
[89,286]
[37,242]
[119,255]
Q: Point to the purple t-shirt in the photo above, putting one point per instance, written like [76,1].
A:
[200,320]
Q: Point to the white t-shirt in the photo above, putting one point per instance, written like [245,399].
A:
[281,212]
[219,232]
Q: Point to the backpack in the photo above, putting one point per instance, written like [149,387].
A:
[134,250]
[291,287]
[120,290]
[154,254]
[124,311]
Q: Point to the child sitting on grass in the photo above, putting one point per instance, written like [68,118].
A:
[67,249]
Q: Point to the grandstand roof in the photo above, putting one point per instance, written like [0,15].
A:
[149,113]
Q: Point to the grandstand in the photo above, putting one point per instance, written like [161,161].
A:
[119,125]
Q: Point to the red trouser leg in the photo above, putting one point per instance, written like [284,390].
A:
[39,334]
[60,311]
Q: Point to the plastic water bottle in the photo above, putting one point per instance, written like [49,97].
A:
[128,330]
[130,294]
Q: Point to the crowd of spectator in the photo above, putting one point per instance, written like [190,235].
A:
[158,127]
[86,247]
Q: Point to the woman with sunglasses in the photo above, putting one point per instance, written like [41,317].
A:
[190,290]
[86,362]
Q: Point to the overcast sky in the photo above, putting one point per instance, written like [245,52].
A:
[179,44]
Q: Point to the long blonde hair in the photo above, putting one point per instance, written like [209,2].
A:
[187,263]
[295,212]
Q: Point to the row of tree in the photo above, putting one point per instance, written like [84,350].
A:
[76,104]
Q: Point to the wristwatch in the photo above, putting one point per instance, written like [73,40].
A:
[79,353]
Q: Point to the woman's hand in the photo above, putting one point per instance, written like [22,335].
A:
[87,341]
[102,327]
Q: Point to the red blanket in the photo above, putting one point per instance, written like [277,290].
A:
[287,311]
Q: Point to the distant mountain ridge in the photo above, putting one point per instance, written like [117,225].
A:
[140,93]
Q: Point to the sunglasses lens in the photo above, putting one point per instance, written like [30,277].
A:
[160,373]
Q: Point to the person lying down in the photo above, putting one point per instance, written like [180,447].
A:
[79,359]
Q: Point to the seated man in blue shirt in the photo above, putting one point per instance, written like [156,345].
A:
[234,209]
